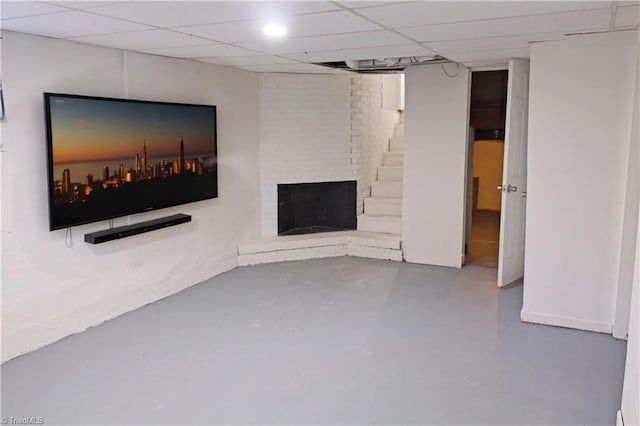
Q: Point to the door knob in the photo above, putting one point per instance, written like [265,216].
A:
[500,188]
[511,188]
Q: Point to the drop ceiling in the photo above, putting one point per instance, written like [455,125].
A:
[474,33]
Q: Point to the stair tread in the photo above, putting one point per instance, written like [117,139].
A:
[377,197]
[396,197]
[377,235]
[389,218]
[383,208]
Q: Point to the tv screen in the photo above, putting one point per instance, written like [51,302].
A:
[114,157]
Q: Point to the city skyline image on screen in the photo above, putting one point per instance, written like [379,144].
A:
[115,157]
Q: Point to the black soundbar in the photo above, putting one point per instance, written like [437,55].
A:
[135,229]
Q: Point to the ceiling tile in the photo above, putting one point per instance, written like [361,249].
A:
[83,4]
[211,50]
[560,22]
[627,16]
[184,13]
[141,40]
[330,42]
[288,68]
[17,9]
[248,60]
[356,3]
[297,26]
[228,32]
[70,24]
[438,12]
[446,48]
[403,50]
[502,54]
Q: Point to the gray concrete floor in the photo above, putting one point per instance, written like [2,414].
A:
[328,341]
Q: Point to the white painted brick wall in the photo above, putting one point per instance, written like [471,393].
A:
[317,128]
[367,131]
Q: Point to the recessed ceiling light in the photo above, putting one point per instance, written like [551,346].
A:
[274,30]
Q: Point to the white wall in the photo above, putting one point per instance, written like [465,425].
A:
[631,389]
[435,147]
[1,229]
[393,92]
[630,219]
[392,104]
[579,121]
[318,128]
[50,291]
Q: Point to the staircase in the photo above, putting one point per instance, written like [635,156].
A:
[383,209]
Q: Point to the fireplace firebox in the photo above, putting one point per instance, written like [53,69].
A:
[305,208]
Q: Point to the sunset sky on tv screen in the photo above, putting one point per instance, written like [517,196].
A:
[94,129]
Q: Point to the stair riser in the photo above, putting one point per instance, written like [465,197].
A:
[392,159]
[386,189]
[390,173]
[376,225]
[396,144]
[387,207]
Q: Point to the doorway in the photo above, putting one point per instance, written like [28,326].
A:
[487,118]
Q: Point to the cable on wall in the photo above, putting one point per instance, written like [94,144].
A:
[450,75]
[68,238]
[1,100]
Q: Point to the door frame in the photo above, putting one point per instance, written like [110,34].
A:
[469,168]
[468,212]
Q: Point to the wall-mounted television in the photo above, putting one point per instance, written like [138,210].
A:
[115,157]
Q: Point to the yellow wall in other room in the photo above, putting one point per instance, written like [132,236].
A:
[487,166]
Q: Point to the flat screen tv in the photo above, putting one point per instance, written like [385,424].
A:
[114,157]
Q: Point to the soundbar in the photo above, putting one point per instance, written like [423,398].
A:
[135,229]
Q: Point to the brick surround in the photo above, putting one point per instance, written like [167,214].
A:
[319,128]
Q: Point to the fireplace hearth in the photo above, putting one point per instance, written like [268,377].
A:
[305,208]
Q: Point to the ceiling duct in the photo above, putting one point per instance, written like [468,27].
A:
[382,66]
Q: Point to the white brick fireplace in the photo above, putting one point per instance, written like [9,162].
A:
[320,128]
[324,128]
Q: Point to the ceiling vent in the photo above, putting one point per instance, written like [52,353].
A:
[382,66]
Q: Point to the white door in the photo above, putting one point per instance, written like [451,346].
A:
[514,175]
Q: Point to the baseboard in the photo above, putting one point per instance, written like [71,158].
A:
[357,250]
[567,322]
[314,246]
[290,255]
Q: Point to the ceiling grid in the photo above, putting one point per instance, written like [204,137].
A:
[474,33]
